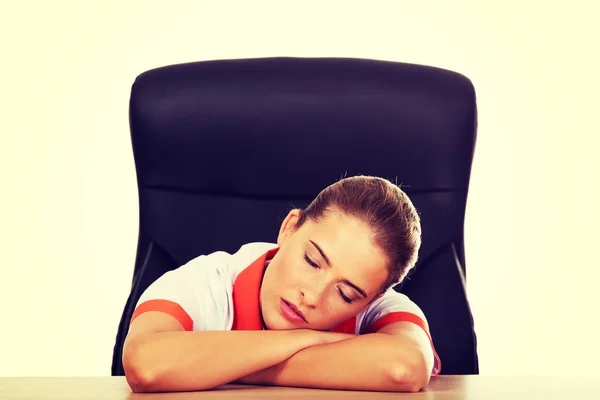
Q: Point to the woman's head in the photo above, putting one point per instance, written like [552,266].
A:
[356,239]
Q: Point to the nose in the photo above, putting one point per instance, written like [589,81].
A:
[311,296]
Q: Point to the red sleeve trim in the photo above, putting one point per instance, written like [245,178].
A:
[167,307]
[348,326]
[403,316]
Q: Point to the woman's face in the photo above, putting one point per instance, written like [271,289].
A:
[324,273]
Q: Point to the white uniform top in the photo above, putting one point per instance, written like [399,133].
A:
[220,291]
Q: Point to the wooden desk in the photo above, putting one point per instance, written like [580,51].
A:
[442,387]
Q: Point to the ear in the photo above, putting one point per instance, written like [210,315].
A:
[287,226]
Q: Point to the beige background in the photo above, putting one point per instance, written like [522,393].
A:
[68,193]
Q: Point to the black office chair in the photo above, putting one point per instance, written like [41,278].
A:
[224,149]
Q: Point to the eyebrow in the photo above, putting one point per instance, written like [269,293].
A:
[346,281]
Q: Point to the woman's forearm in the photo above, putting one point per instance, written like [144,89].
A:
[374,362]
[187,361]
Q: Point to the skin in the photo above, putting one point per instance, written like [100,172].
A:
[316,290]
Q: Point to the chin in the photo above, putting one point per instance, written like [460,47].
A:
[278,324]
[270,324]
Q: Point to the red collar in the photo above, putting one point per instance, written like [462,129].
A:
[246,295]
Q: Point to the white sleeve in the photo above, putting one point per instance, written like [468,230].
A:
[397,305]
[194,294]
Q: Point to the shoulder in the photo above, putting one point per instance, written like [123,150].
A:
[391,307]
[246,255]
[220,266]
[396,301]
[200,291]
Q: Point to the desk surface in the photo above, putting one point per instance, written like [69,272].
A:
[442,387]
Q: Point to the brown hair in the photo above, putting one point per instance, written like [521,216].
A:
[385,208]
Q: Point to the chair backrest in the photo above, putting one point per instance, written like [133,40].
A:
[224,149]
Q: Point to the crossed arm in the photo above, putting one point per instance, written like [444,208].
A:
[390,360]
[160,356]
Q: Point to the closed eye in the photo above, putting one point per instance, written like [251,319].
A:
[346,298]
[315,265]
[311,262]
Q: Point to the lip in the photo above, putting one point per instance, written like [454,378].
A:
[291,312]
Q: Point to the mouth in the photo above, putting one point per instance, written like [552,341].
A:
[291,312]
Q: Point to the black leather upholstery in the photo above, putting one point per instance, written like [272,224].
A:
[224,149]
